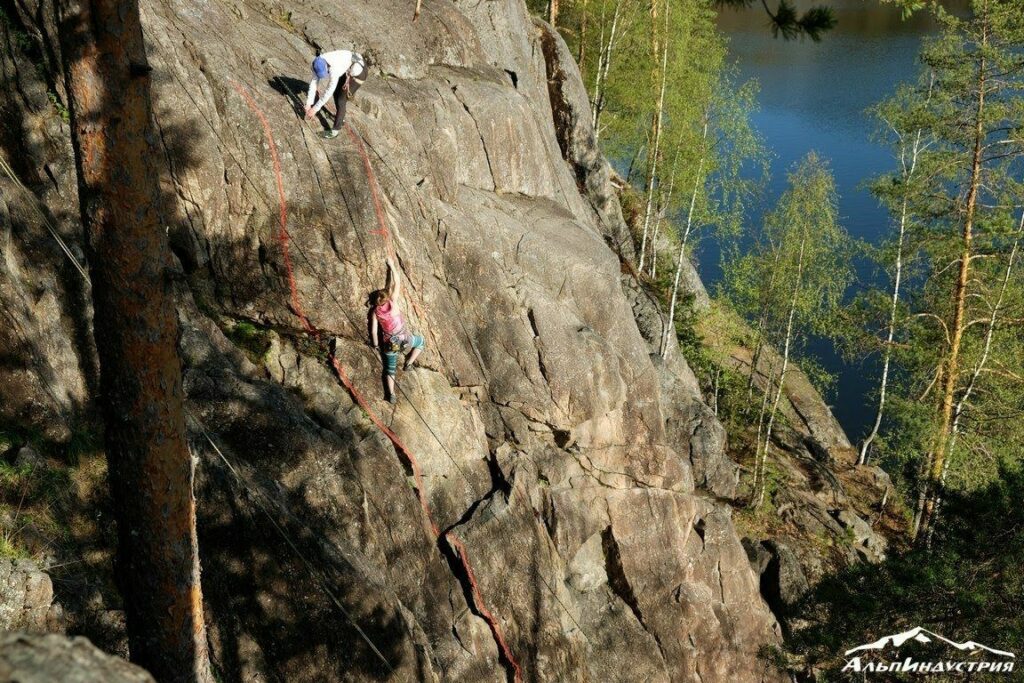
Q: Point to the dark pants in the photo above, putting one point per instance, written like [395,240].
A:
[346,90]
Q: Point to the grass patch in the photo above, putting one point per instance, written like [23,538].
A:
[253,340]
[283,19]
[10,551]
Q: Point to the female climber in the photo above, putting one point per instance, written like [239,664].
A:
[387,318]
[343,68]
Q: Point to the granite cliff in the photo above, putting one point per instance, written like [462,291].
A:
[585,480]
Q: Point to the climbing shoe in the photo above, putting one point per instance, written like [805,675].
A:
[407,364]
[330,134]
[392,399]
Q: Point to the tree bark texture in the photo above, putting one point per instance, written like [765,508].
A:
[136,331]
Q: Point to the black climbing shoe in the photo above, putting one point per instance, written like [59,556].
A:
[407,364]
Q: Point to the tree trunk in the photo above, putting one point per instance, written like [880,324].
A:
[762,323]
[956,330]
[652,172]
[603,65]
[136,330]
[553,13]
[682,254]
[785,366]
[760,431]
[979,367]
[883,383]
[581,54]
[908,173]
[714,404]
[655,45]
[664,204]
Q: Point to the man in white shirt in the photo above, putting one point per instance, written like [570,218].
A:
[344,72]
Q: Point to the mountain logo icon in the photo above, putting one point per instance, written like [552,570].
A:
[923,635]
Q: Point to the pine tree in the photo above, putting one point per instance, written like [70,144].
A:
[785,21]
[136,330]
[975,116]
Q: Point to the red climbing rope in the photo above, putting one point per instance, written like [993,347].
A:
[410,459]
[453,540]
[385,234]
[481,607]
[282,232]
[296,305]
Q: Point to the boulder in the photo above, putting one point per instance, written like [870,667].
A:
[783,583]
[26,599]
[26,658]
[870,545]
[758,555]
[28,457]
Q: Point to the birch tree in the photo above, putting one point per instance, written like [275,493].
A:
[898,192]
[657,126]
[718,188]
[804,250]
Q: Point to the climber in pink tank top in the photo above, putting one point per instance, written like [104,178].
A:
[387,329]
[389,318]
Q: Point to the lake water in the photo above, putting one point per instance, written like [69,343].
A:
[814,97]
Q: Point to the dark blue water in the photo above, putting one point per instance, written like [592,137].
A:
[813,97]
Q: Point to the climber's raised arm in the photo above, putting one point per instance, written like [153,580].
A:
[394,282]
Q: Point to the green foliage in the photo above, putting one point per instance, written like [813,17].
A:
[928,195]
[27,495]
[31,482]
[968,587]
[253,340]
[800,261]
[10,551]
[58,106]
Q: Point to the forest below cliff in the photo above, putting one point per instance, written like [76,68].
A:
[938,309]
[599,470]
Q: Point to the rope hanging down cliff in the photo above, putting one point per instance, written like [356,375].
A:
[449,537]
[255,491]
[516,494]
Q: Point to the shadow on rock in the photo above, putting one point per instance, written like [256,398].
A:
[962,588]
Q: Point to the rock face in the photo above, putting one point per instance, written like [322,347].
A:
[558,458]
[827,505]
[44,659]
[26,599]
